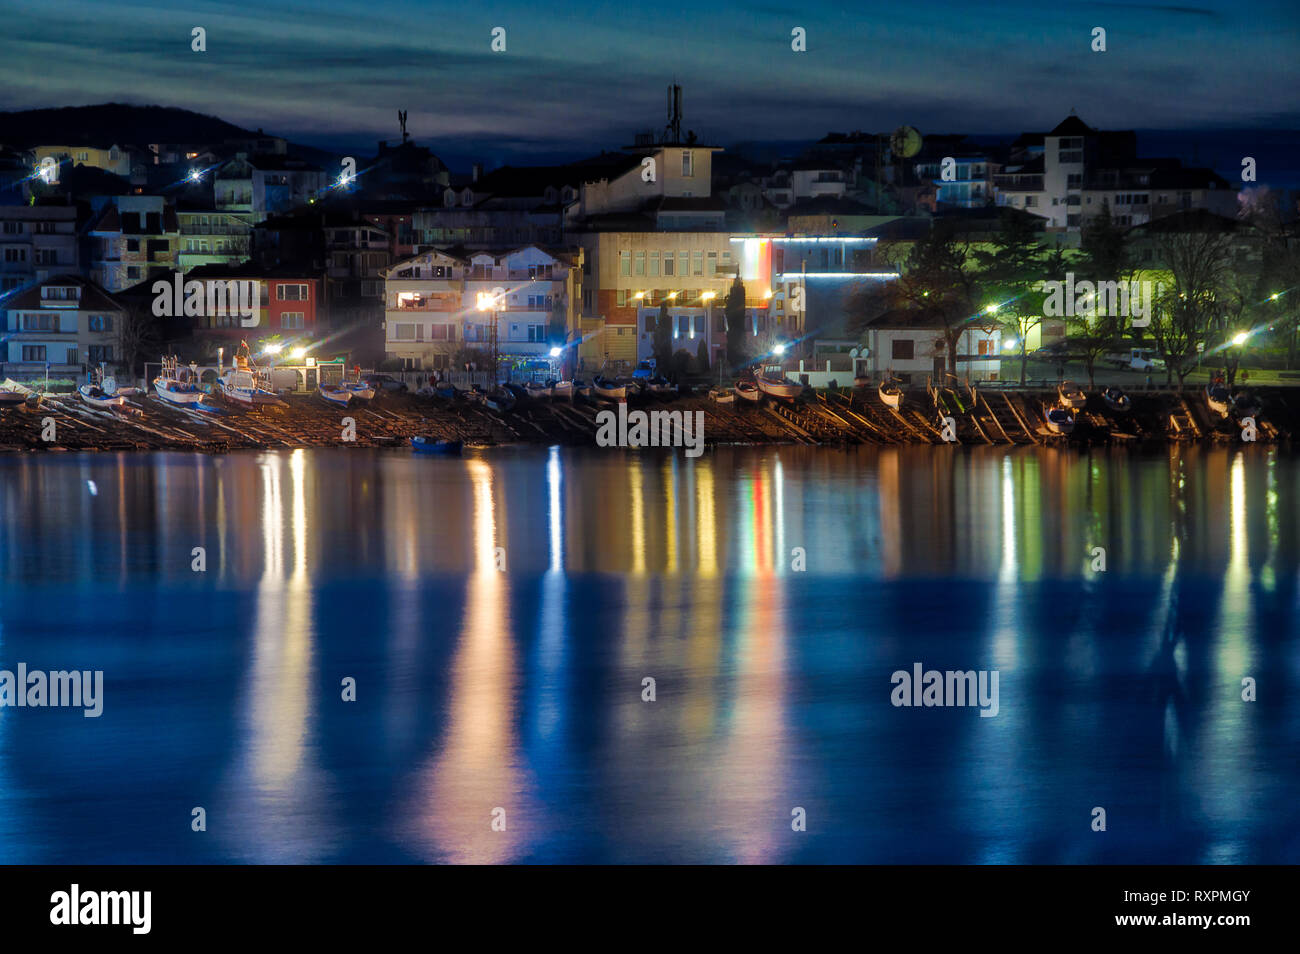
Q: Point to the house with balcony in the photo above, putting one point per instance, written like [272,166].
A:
[132,239]
[62,326]
[513,301]
[209,236]
[36,242]
[265,185]
[111,157]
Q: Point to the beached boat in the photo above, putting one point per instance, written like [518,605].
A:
[562,389]
[748,391]
[424,445]
[721,395]
[1059,420]
[1218,398]
[12,398]
[177,385]
[499,400]
[95,396]
[1116,399]
[862,381]
[661,386]
[1245,403]
[538,392]
[361,390]
[1071,395]
[891,394]
[582,388]
[609,390]
[447,391]
[335,394]
[778,387]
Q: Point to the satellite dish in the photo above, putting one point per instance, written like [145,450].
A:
[853,352]
[905,142]
[109,385]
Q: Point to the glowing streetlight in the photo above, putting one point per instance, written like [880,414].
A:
[298,353]
[779,349]
[196,175]
[556,352]
[708,296]
[1274,296]
[672,296]
[272,348]
[992,309]
[1240,338]
[639,295]
[1009,344]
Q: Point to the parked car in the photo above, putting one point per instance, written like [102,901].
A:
[386,382]
[646,369]
[1136,359]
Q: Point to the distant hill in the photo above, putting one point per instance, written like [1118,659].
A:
[123,124]
[110,123]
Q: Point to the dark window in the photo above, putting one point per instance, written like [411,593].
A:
[903,349]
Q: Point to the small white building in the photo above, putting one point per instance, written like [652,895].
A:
[911,347]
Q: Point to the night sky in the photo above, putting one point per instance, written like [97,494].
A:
[332,73]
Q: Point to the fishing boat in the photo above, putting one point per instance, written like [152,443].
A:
[499,400]
[361,390]
[335,394]
[1218,398]
[562,389]
[1059,420]
[1245,403]
[177,385]
[609,390]
[1071,395]
[721,395]
[447,391]
[245,384]
[95,396]
[537,391]
[862,381]
[748,391]
[891,394]
[475,395]
[11,397]
[1116,399]
[517,391]
[778,386]
[582,388]
[661,386]
[423,445]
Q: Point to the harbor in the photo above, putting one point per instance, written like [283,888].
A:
[954,414]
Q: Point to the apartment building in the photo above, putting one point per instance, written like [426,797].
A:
[65,322]
[442,301]
[132,239]
[36,242]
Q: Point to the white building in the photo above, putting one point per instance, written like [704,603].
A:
[912,348]
[442,301]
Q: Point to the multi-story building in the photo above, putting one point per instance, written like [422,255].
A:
[36,242]
[911,346]
[212,237]
[133,239]
[66,322]
[266,185]
[968,183]
[288,308]
[109,157]
[442,301]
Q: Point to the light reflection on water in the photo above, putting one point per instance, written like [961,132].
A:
[521,690]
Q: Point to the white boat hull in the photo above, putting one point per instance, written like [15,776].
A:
[341,398]
[892,399]
[785,390]
[183,398]
[100,400]
[610,394]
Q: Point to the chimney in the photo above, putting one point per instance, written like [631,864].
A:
[476,170]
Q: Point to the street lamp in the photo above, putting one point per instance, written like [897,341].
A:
[487,303]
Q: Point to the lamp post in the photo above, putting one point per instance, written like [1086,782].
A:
[487,304]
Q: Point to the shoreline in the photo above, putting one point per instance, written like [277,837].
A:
[982,417]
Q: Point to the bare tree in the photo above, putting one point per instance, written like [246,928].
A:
[1197,265]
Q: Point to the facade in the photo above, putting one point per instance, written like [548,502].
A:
[36,242]
[211,237]
[265,185]
[66,322]
[911,348]
[970,187]
[433,300]
[110,157]
[289,308]
[134,238]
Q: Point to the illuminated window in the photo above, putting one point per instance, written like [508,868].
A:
[688,163]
